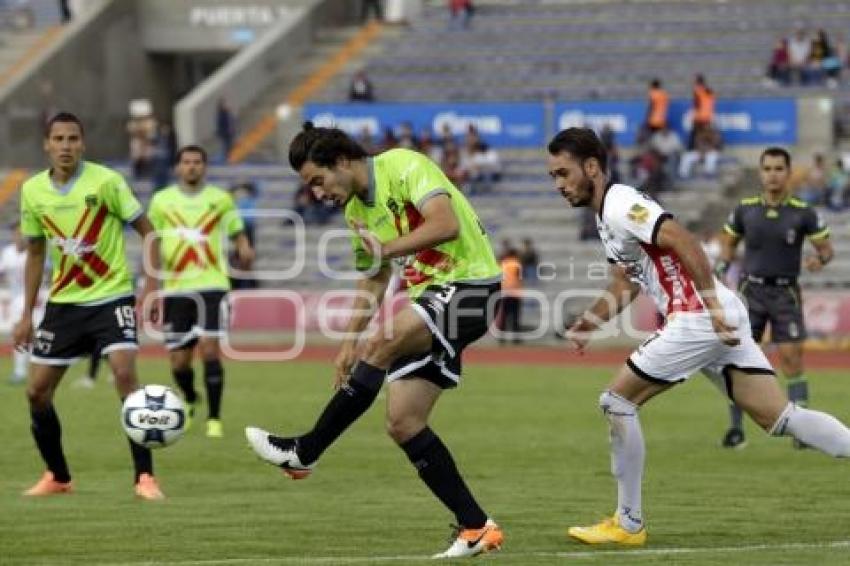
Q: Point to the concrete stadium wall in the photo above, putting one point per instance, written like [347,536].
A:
[94,70]
[248,73]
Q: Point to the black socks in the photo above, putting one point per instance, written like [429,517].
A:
[47,433]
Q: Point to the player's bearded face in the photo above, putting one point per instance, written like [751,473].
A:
[329,184]
[191,168]
[571,180]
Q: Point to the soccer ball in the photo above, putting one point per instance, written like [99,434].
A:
[153,416]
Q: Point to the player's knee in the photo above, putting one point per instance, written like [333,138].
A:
[614,406]
[402,428]
[39,396]
[377,350]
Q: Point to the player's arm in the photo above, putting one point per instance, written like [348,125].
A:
[368,297]
[244,251]
[621,291]
[151,264]
[33,274]
[673,236]
[439,224]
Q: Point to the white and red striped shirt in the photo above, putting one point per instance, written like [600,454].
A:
[628,223]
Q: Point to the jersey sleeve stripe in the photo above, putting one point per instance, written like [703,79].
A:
[135,216]
[820,235]
[664,216]
[429,195]
[729,230]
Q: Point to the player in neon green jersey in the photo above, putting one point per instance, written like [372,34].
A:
[192,220]
[400,207]
[78,209]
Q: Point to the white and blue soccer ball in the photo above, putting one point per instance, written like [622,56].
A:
[153,416]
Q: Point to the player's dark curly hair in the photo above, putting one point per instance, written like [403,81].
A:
[581,143]
[776,152]
[322,146]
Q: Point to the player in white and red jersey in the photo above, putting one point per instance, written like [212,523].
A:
[706,328]
[12,259]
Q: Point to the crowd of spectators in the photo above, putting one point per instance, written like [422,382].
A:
[820,184]
[807,57]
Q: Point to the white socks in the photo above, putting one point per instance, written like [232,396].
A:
[21,359]
[627,456]
[814,428]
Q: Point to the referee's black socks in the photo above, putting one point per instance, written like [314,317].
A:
[142,460]
[47,433]
[348,403]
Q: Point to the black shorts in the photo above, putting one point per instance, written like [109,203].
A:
[186,318]
[780,305]
[69,332]
[457,314]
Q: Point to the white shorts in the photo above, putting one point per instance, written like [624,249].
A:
[688,344]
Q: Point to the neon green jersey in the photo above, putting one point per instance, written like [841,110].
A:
[400,182]
[192,228]
[83,223]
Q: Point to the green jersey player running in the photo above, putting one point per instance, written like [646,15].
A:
[192,220]
[400,206]
[78,209]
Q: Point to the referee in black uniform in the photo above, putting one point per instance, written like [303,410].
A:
[773,227]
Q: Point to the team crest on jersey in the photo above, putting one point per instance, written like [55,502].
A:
[393,206]
[771,213]
[638,213]
[91,201]
[791,236]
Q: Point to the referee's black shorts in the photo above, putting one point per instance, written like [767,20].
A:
[779,305]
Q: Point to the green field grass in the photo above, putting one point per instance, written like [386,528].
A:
[530,441]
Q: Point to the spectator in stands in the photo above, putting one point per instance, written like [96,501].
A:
[451,166]
[427,146]
[825,61]
[406,139]
[446,135]
[507,246]
[65,11]
[225,128]
[668,145]
[609,140]
[530,260]
[389,141]
[509,319]
[815,181]
[703,108]
[483,168]
[142,130]
[779,70]
[706,153]
[361,89]
[164,151]
[799,52]
[373,6]
[657,107]
[366,140]
[460,12]
[839,185]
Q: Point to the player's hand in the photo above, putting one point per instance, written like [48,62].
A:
[578,335]
[370,240]
[149,303]
[813,263]
[724,331]
[344,362]
[22,335]
[246,255]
